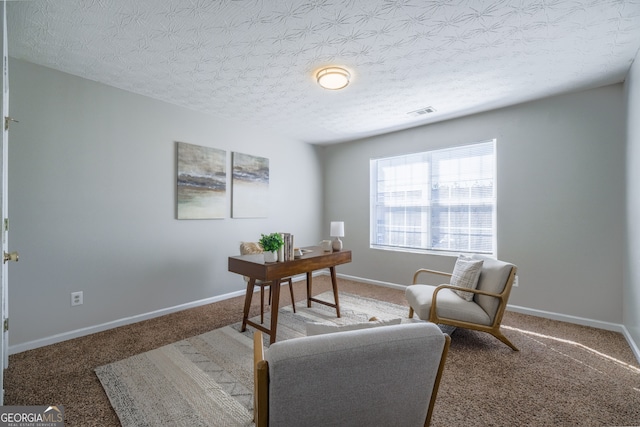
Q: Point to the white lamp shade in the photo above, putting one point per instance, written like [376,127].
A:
[337,229]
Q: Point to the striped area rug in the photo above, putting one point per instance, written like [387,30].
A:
[207,380]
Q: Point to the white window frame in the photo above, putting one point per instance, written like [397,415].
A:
[409,169]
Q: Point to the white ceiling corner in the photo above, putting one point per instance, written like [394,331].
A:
[254,60]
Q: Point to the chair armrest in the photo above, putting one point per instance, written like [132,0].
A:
[258,347]
[434,308]
[426,270]
[260,383]
[436,386]
[460,288]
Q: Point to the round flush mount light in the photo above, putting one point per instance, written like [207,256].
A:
[333,78]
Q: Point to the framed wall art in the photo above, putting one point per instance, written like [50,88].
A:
[202,182]
[250,186]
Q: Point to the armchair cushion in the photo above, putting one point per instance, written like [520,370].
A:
[327,328]
[465,274]
[448,306]
[493,278]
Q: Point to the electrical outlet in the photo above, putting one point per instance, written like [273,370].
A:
[76,298]
[515,281]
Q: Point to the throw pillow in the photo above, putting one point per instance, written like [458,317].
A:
[327,328]
[465,275]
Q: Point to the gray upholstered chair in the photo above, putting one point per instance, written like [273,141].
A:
[483,312]
[248,248]
[382,376]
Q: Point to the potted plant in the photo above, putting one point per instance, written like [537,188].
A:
[270,244]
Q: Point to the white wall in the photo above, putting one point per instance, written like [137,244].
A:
[631,308]
[561,199]
[92,204]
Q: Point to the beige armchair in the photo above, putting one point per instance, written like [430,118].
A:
[382,376]
[483,312]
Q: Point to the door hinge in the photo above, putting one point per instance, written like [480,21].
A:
[6,224]
[6,324]
[8,120]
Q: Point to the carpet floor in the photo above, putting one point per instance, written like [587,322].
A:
[207,380]
[565,374]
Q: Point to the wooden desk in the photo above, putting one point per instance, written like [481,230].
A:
[254,267]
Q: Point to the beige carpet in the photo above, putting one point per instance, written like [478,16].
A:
[566,375]
[207,380]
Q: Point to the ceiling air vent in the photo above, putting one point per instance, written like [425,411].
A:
[422,112]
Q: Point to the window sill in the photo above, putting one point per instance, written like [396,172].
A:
[427,251]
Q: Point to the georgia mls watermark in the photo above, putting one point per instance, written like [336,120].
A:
[32,416]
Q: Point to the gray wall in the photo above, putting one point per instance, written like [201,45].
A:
[632,277]
[92,204]
[561,199]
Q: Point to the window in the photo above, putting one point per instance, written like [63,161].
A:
[442,200]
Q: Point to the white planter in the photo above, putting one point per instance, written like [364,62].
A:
[271,256]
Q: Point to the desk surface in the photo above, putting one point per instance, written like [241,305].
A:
[254,265]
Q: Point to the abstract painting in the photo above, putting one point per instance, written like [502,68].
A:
[250,185]
[202,182]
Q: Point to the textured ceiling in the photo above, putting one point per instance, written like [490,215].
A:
[254,61]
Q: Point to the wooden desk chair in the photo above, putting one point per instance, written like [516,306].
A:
[248,248]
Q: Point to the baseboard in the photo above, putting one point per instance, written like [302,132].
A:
[19,348]
[524,310]
[615,327]
[370,281]
[54,339]
[632,343]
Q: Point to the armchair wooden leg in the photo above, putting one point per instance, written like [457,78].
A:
[410,312]
[505,340]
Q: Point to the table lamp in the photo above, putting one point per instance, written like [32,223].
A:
[337,231]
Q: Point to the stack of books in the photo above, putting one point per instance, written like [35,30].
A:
[288,247]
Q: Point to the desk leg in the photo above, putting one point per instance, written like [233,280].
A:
[247,303]
[334,285]
[275,302]
[309,276]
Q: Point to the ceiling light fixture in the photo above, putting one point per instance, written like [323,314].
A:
[333,78]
